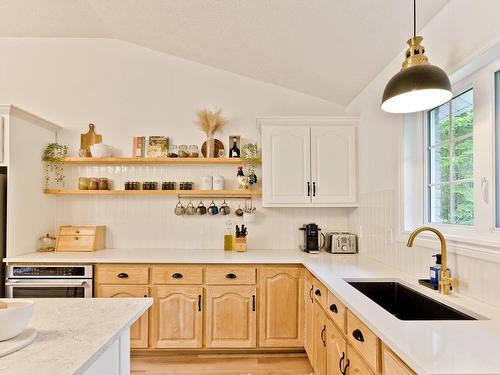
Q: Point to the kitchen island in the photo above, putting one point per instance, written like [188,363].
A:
[78,336]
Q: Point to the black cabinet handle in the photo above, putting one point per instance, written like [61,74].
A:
[230,276]
[123,275]
[177,275]
[311,293]
[340,362]
[145,296]
[199,302]
[333,308]
[318,292]
[314,189]
[322,335]
[308,189]
[344,371]
[253,302]
[358,335]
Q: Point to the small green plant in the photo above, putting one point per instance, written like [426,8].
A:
[53,155]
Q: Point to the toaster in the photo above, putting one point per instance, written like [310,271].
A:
[341,243]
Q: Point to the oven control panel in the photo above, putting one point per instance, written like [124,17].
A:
[42,271]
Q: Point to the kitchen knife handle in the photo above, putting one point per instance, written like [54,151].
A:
[123,275]
[177,275]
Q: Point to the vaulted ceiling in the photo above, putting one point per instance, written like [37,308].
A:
[326,48]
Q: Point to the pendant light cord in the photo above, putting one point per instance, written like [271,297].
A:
[414,18]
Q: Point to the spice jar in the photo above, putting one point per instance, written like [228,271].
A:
[83,183]
[103,183]
[193,151]
[93,183]
[183,151]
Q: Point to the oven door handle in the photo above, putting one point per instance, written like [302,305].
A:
[50,285]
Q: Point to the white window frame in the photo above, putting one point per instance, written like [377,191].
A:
[482,239]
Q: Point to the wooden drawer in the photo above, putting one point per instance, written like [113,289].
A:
[364,340]
[393,365]
[320,293]
[77,231]
[122,274]
[336,311]
[230,275]
[180,274]
[75,243]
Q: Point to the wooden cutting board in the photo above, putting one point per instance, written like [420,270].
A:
[88,139]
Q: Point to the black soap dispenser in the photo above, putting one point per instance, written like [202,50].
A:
[435,270]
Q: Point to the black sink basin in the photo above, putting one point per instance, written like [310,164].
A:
[405,303]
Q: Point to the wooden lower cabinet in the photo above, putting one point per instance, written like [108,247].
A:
[177,317]
[138,330]
[393,365]
[281,308]
[336,346]
[308,313]
[230,316]
[320,321]
[355,364]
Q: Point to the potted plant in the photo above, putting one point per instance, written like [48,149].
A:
[53,156]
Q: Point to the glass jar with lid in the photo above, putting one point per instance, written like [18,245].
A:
[46,243]
[193,151]
[183,151]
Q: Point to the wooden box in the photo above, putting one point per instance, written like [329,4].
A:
[81,238]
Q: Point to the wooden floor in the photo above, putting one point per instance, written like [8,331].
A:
[251,364]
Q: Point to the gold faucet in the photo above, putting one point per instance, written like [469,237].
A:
[445,281]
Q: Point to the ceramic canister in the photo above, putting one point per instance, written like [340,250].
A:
[218,183]
[206,183]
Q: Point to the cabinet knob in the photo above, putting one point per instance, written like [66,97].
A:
[230,276]
[77,231]
[123,275]
[145,296]
[177,275]
[318,292]
[358,335]
[76,238]
[333,308]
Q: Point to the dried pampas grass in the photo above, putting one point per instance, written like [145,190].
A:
[210,122]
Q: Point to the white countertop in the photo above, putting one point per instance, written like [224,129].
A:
[72,334]
[429,347]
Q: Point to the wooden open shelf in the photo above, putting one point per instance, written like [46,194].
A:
[158,161]
[180,193]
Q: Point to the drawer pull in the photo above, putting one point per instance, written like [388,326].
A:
[318,292]
[333,308]
[230,276]
[199,302]
[77,238]
[177,275]
[145,296]
[322,335]
[77,231]
[253,302]
[123,275]
[358,335]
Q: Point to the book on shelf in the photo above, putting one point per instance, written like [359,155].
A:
[139,147]
[157,147]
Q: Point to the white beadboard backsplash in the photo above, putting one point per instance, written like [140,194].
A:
[374,220]
[150,222]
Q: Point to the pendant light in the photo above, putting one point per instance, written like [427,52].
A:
[419,85]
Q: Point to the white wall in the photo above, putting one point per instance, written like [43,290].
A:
[127,90]
[457,35]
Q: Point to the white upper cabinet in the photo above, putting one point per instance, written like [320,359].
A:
[333,164]
[309,162]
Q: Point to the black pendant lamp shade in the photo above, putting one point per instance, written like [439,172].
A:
[419,85]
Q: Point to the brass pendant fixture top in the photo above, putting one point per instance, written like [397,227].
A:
[419,85]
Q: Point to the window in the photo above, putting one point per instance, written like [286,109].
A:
[450,188]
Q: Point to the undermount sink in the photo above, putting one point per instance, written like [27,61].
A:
[405,303]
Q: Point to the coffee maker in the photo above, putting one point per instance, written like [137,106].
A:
[310,242]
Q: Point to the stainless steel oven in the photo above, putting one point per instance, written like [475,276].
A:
[49,281]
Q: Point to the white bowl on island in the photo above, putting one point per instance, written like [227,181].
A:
[15,318]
